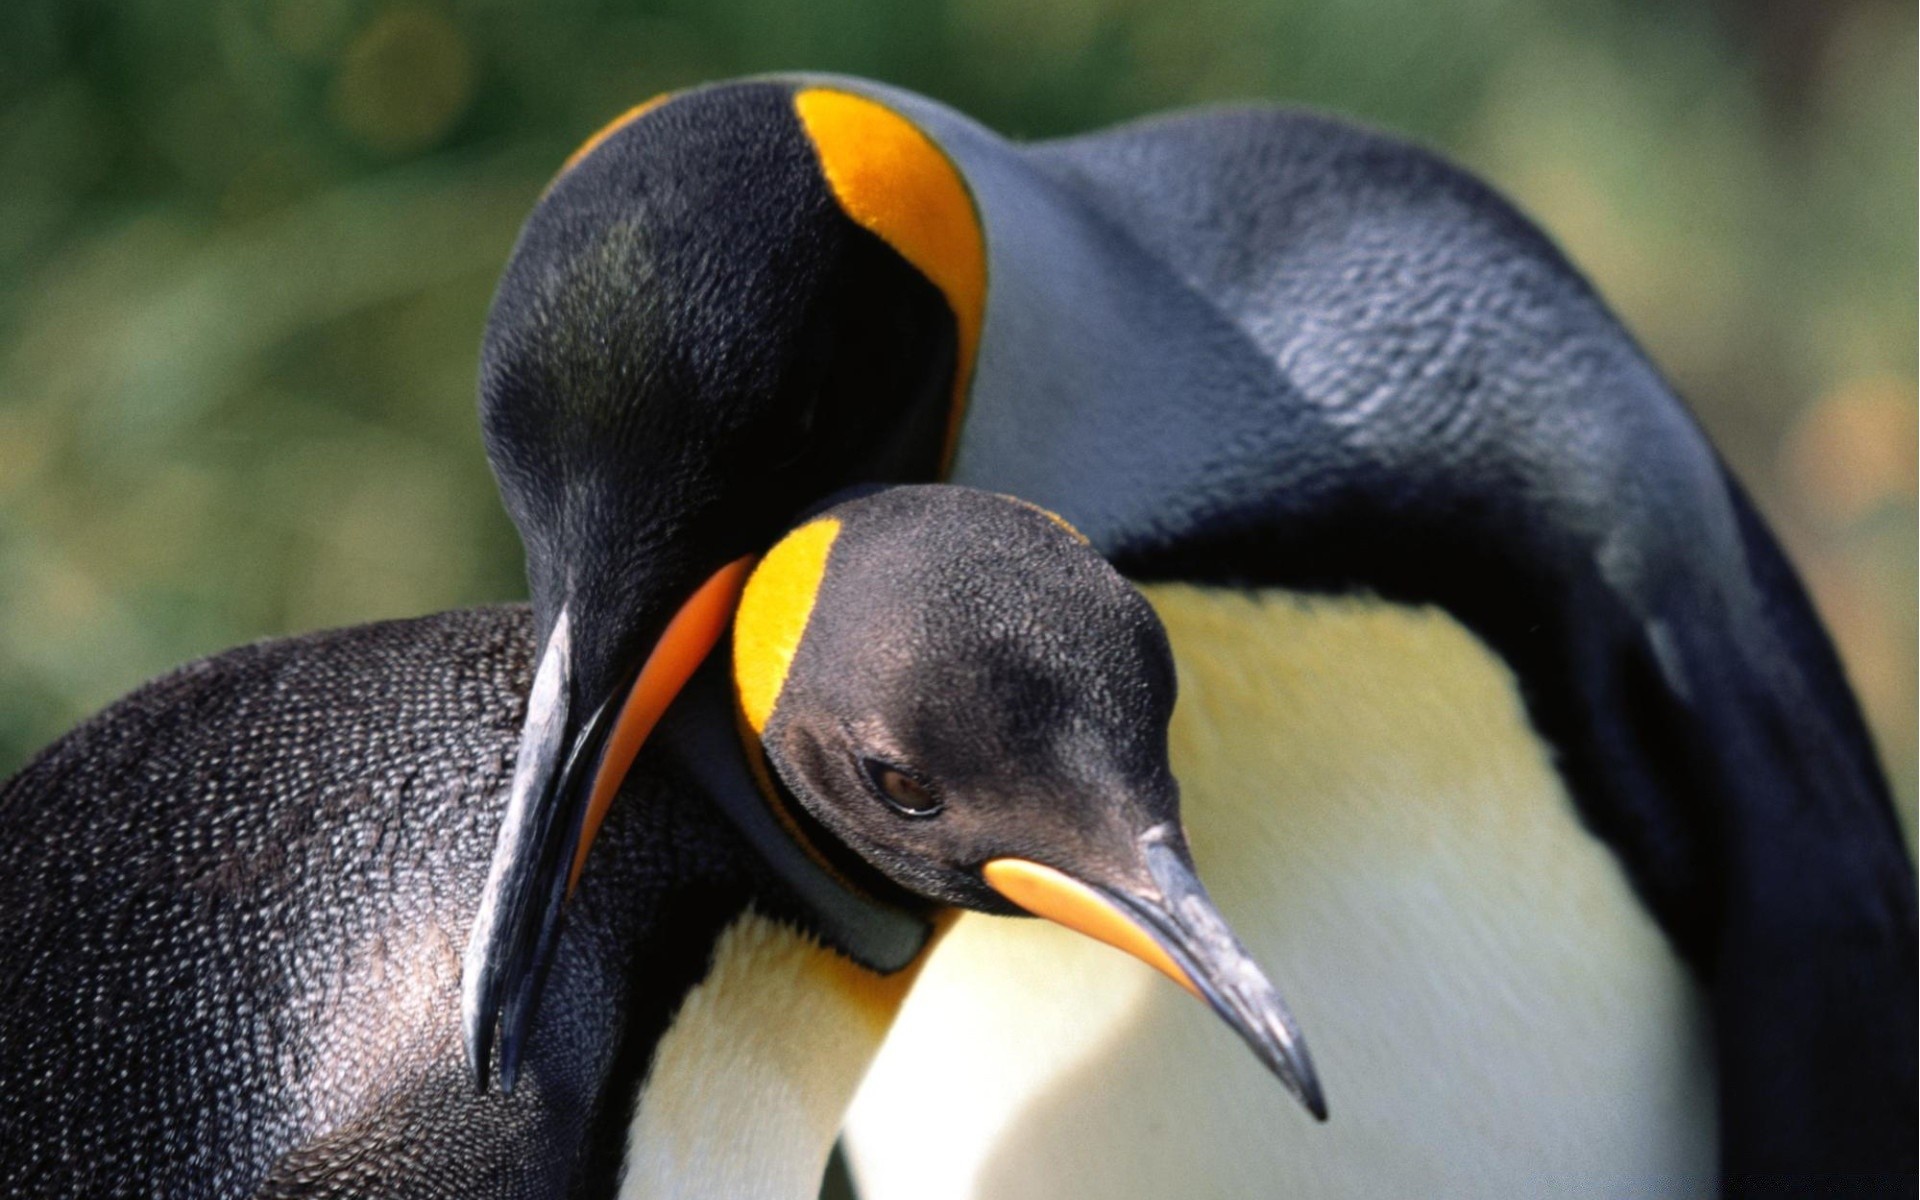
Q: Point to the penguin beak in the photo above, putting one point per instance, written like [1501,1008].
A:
[569,769]
[1167,921]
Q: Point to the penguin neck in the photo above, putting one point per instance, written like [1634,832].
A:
[751,1079]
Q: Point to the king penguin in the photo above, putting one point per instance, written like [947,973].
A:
[230,900]
[1521,748]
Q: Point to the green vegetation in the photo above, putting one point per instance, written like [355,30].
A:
[246,249]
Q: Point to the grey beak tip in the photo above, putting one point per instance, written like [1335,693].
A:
[1295,1069]
[1192,930]
[479,1044]
[1313,1098]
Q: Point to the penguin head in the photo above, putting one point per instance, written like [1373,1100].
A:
[691,342]
[728,304]
[960,691]
[945,676]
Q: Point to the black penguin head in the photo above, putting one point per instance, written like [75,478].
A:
[962,692]
[945,676]
[693,341]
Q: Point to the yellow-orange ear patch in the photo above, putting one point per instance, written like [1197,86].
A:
[773,615]
[894,182]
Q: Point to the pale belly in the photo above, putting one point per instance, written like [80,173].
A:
[1491,1010]
[749,1083]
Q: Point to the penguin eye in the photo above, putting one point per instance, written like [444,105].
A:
[902,792]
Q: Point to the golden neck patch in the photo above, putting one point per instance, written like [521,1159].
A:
[893,181]
[773,615]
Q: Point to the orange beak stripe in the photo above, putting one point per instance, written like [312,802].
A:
[679,652]
[1064,900]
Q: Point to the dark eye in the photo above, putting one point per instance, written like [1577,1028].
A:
[902,792]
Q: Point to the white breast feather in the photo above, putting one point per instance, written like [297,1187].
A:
[751,1079]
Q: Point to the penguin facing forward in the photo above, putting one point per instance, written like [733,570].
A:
[1529,750]
[231,901]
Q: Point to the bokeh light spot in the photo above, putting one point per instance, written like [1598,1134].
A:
[403,81]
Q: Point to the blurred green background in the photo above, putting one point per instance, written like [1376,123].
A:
[246,249]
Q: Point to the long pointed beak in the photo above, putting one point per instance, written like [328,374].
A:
[569,770]
[1174,928]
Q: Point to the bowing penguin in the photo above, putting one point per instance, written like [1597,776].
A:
[1525,754]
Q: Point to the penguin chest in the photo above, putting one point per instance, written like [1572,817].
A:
[750,1081]
[1491,1010]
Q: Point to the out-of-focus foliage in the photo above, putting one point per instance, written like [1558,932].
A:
[246,247]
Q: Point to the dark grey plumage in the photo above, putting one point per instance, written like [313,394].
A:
[231,965]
